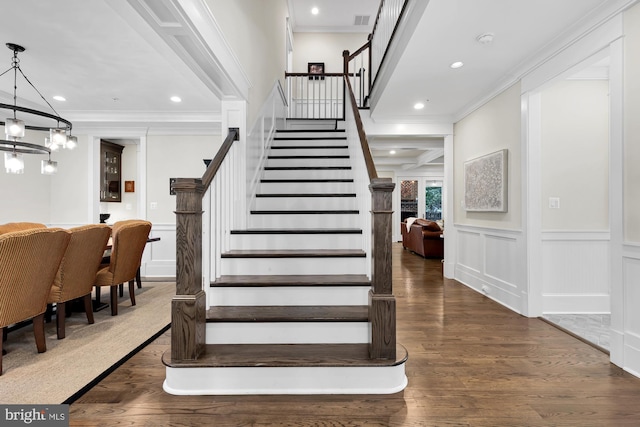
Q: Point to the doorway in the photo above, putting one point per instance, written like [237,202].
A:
[421,197]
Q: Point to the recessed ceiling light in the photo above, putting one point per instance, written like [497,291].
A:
[392,152]
[176,99]
[315,11]
[419,106]
[59,98]
[457,64]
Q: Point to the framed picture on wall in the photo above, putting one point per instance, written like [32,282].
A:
[315,68]
[485,183]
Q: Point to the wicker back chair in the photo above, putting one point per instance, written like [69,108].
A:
[78,270]
[19,226]
[29,261]
[129,239]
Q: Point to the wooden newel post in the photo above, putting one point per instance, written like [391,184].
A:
[382,303]
[188,308]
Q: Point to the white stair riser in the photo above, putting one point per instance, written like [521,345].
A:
[285,380]
[308,142]
[305,187]
[275,266]
[305,203]
[296,241]
[306,124]
[310,152]
[288,295]
[305,221]
[287,333]
[308,162]
[308,174]
[302,134]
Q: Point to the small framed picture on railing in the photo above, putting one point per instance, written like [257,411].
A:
[316,68]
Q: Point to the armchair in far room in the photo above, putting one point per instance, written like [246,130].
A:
[128,239]
[78,270]
[423,237]
[29,261]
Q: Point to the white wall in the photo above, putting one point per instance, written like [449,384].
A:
[256,32]
[26,197]
[575,155]
[575,169]
[627,326]
[494,126]
[324,47]
[490,246]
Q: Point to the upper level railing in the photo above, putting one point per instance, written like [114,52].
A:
[315,96]
[363,64]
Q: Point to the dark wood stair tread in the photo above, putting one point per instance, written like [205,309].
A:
[292,280]
[307,212]
[311,131]
[306,168]
[309,147]
[296,253]
[309,157]
[292,195]
[306,181]
[286,355]
[301,313]
[299,231]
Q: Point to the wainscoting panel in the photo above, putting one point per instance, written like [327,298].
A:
[575,272]
[490,261]
[631,277]
[159,259]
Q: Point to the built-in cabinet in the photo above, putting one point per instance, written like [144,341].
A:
[110,172]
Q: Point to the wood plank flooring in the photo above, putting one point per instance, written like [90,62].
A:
[471,362]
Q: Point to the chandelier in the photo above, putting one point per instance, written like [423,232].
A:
[14,128]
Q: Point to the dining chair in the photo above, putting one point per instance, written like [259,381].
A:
[29,260]
[128,241]
[78,270]
[19,226]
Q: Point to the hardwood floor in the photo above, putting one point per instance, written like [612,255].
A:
[471,362]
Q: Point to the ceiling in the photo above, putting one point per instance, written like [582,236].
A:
[110,64]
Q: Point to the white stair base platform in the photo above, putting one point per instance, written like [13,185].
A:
[296,241]
[285,380]
[287,333]
[274,266]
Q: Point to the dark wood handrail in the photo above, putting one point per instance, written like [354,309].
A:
[366,151]
[364,47]
[215,164]
[316,74]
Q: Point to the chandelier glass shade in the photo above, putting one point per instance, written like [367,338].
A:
[14,128]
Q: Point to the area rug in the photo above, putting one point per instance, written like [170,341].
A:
[87,352]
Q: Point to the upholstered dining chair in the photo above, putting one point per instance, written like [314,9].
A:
[19,226]
[29,261]
[128,241]
[78,270]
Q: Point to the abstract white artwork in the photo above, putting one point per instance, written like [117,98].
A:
[485,183]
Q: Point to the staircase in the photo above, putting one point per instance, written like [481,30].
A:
[290,312]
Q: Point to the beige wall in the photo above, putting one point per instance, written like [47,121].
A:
[492,127]
[174,157]
[57,199]
[324,47]
[256,32]
[632,124]
[575,155]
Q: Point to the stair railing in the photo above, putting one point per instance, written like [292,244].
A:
[364,63]
[315,95]
[382,303]
[188,306]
